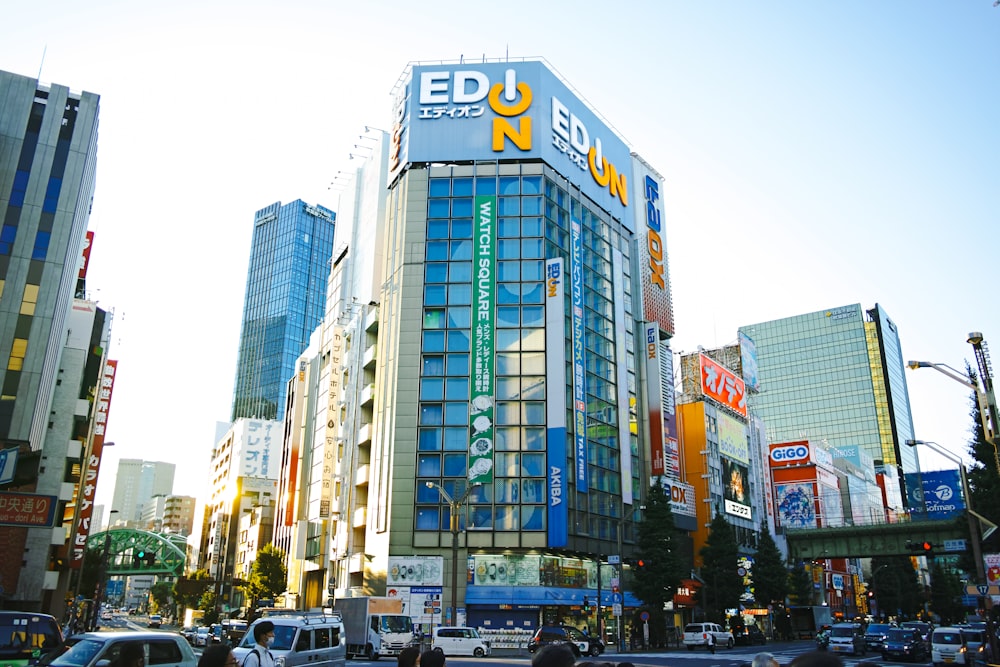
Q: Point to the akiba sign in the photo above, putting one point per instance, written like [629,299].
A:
[507,110]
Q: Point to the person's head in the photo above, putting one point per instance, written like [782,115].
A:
[131,654]
[218,655]
[817,659]
[764,660]
[408,656]
[263,632]
[553,655]
[432,658]
[626,664]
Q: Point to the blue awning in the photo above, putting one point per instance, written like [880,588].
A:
[544,595]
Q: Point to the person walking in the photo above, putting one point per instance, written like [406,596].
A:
[710,641]
[260,655]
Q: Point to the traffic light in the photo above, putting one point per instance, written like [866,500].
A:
[925,547]
[586,603]
[643,563]
[871,594]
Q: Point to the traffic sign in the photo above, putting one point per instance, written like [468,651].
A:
[983,589]
[644,616]
[954,545]
[616,609]
[614,559]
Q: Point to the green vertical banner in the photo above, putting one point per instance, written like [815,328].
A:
[481,398]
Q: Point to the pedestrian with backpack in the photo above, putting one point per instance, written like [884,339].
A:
[260,655]
[710,641]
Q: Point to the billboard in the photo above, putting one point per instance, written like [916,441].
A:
[787,453]
[733,438]
[654,275]
[415,571]
[555,405]
[654,393]
[992,563]
[579,371]
[796,505]
[483,334]
[748,361]
[942,493]
[509,110]
[720,384]
[27,509]
[736,489]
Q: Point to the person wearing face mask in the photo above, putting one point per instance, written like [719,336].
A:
[259,655]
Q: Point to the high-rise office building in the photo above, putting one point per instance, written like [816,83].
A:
[48,153]
[285,297]
[499,363]
[836,376]
[136,483]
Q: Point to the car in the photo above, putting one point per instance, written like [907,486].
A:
[904,644]
[696,634]
[202,636]
[459,641]
[168,649]
[301,639]
[26,637]
[922,627]
[847,638]
[189,633]
[749,635]
[978,648]
[155,620]
[566,634]
[948,646]
[875,634]
[106,615]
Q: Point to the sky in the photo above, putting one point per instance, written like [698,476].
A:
[815,154]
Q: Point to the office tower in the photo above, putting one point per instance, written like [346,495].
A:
[136,483]
[47,165]
[836,376]
[285,297]
[523,245]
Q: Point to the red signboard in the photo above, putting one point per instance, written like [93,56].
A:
[85,258]
[88,484]
[27,509]
[719,383]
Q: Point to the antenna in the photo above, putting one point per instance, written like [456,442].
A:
[41,64]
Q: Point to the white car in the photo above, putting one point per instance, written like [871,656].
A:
[168,649]
[696,634]
[459,641]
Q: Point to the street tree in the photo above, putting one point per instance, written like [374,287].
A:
[657,568]
[896,586]
[770,575]
[188,590]
[946,594]
[268,575]
[722,585]
[984,478]
[800,585]
[159,595]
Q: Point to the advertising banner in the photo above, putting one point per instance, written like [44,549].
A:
[483,343]
[719,383]
[261,455]
[92,466]
[992,563]
[415,571]
[88,243]
[509,110]
[733,438]
[789,453]
[654,276]
[796,505]
[555,404]
[942,493]
[622,326]
[682,497]
[579,370]
[736,489]
[748,361]
[654,392]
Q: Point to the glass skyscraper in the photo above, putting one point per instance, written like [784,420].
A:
[285,298]
[836,376]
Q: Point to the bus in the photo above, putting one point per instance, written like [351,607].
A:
[26,636]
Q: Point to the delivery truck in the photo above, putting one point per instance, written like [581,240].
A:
[375,626]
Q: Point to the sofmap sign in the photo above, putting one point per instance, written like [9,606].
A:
[941,490]
[490,111]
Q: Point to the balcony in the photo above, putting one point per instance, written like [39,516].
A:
[365,434]
[367,395]
[371,320]
[369,358]
[360,517]
[361,475]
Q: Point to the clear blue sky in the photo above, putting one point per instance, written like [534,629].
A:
[816,154]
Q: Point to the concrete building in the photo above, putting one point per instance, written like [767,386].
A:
[136,483]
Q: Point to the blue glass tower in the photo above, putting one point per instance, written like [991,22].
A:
[285,297]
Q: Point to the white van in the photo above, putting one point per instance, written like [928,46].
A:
[301,638]
[847,638]
[459,641]
[948,647]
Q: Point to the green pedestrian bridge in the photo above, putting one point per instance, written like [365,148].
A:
[132,551]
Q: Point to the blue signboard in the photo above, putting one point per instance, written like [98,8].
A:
[579,371]
[521,110]
[942,493]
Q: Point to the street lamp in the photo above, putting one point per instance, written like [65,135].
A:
[454,507]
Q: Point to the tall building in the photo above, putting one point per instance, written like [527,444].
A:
[285,297]
[48,153]
[498,363]
[837,377]
[136,483]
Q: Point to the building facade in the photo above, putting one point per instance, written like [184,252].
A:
[836,376]
[284,302]
[136,484]
[498,363]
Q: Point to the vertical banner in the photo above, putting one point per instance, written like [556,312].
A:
[555,401]
[621,379]
[579,371]
[654,396]
[483,342]
[671,449]
[88,482]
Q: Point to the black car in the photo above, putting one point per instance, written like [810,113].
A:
[749,635]
[566,634]
[875,634]
[904,644]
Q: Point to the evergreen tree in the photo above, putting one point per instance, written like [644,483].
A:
[897,589]
[268,575]
[159,595]
[800,585]
[946,595]
[187,591]
[722,585]
[656,580]
[770,576]
[984,477]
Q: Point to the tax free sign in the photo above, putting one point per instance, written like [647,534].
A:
[508,110]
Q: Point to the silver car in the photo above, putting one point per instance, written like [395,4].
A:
[98,649]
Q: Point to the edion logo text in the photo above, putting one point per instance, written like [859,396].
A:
[789,453]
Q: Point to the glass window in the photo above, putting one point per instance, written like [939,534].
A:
[509,206]
[433,364]
[431,389]
[459,317]
[533,339]
[533,490]
[531,226]
[510,185]
[429,440]
[458,341]
[460,272]
[507,464]
[459,294]
[437,250]
[481,517]
[534,439]
[458,364]
[531,185]
[428,465]
[437,229]
[433,341]
[462,208]
[508,340]
[435,295]
[461,250]
[532,248]
[456,413]
[462,187]
[507,518]
[506,271]
[533,316]
[456,439]
[507,413]
[532,465]
[439,187]
[430,415]
[531,206]
[508,316]
[532,293]
[507,438]
[534,413]
[533,388]
[507,490]
[437,208]
[456,389]
[436,272]
[532,269]
[508,293]
[533,363]
[509,228]
[434,318]
[532,518]
[427,518]
[508,363]
[461,229]
[454,465]
[486,185]
[508,249]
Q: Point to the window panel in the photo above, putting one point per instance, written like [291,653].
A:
[533,413]
[532,465]
[433,341]
[457,389]
[533,388]
[439,187]
[427,517]
[532,518]
[456,439]
[534,439]
[509,228]
[458,341]
[532,227]
[429,440]
[508,363]
[430,415]
[533,339]
[435,295]
[459,317]
[507,464]
[428,465]
[533,363]
[482,517]
[508,316]
[459,295]
[436,272]
[458,364]
[460,272]
[433,365]
[507,438]
[461,208]
[508,340]
[437,229]
[510,185]
[532,269]
[508,271]
[431,389]
[454,465]
[456,413]
[461,228]
[508,249]
[486,185]
[507,518]
[533,490]
[533,316]
[434,318]
[462,187]
[438,208]
[461,250]
[437,250]
[507,490]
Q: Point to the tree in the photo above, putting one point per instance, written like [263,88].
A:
[268,575]
[896,587]
[984,478]
[770,576]
[159,593]
[800,585]
[188,590]
[946,594]
[656,580]
[207,606]
[722,585]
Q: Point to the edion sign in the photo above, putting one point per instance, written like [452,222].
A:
[789,453]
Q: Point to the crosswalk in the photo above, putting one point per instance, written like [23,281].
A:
[746,654]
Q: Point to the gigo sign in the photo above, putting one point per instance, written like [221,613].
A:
[789,453]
